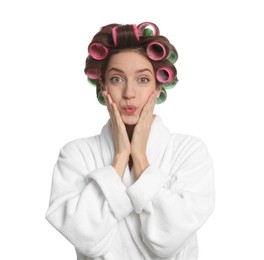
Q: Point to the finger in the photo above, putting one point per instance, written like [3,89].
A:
[115,116]
[109,104]
[107,97]
[148,109]
[118,119]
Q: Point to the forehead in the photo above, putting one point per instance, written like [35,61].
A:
[129,61]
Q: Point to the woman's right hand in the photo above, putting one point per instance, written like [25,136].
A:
[121,141]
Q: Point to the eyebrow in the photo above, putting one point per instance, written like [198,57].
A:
[115,70]
[138,71]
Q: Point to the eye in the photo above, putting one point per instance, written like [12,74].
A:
[116,79]
[143,80]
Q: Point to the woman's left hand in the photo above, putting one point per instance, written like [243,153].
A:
[140,136]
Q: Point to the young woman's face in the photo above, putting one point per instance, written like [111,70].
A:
[130,80]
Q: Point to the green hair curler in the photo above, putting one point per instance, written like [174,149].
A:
[162,97]
[93,82]
[172,56]
[170,84]
[100,98]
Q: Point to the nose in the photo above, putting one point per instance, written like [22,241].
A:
[129,91]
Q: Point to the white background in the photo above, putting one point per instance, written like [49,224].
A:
[45,102]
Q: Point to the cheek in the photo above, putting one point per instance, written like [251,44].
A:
[115,95]
[144,95]
[112,92]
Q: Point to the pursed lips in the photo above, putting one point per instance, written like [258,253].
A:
[129,109]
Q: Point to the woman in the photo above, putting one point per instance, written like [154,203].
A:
[136,191]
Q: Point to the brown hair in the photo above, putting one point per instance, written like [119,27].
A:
[115,37]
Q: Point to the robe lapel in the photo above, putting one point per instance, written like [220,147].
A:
[107,144]
[158,142]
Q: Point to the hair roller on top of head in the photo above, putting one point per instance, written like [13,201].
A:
[148,29]
[126,35]
[98,51]
[156,51]
[114,35]
[134,26]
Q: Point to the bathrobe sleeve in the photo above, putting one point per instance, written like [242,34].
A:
[173,205]
[86,205]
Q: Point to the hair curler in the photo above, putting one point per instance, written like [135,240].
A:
[98,51]
[170,84]
[134,26]
[93,82]
[156,51]
[172,56]
[100,98]
[162,97]
[147,29]
[164,75]
[93,73]
[114,35]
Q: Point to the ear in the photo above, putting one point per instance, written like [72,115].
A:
[101,85]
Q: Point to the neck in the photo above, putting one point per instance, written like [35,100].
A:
[130,130]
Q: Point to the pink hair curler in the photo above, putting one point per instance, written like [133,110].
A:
[148,29]
[98,51]
[135,31]
[164,75]
[156,51]
[114,35]
[93,73]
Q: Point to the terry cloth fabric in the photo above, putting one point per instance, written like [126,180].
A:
[155,217]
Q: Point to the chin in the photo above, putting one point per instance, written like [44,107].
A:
[130,120]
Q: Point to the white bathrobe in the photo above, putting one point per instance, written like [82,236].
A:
[156,217]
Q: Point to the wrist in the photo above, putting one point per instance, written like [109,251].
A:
[140,164]
[119,163]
